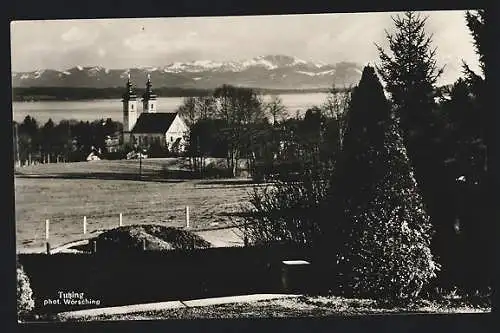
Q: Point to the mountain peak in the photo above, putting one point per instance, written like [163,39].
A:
[266,71]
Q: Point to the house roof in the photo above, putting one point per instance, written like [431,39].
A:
[154,122]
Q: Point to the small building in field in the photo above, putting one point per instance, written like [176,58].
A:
[112,143]
[95,155]
[149,127]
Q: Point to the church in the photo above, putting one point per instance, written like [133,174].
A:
[146,127]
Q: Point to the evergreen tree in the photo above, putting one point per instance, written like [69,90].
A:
[382,228]
[477,220]
[476,22]
[28,136]
[410,74]
[363,140]
[388,251]
[47,134]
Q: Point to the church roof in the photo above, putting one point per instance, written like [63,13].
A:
[154,122]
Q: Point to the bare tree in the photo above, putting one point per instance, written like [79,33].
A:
[188,110]
[276,109]
[336,107]
[240,108]
[205,106]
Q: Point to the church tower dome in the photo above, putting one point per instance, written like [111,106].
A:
[129,102]
[149,98]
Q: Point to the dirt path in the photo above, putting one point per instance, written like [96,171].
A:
[148,307]
[222,237]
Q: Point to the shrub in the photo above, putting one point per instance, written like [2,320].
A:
[287,212]
[25,301]
[215,171]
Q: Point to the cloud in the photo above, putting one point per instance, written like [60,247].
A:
[154,44]
[101,52]
[78,35]
[145,41]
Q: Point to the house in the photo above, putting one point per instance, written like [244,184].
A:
[94,155]
[112,143]
[150,127]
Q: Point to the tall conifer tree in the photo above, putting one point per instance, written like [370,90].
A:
[410,72]
[383,228]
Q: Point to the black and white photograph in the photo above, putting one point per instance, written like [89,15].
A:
[256,166]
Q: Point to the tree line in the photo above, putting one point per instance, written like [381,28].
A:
[67,141]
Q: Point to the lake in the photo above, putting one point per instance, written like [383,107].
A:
[112,108]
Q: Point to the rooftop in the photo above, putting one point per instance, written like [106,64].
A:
[154,122]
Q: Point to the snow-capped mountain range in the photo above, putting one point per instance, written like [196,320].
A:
[271,71]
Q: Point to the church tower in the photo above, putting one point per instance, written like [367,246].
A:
[149,98]
[129,110]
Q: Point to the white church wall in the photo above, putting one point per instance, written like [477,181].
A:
[146,139]
[177,130]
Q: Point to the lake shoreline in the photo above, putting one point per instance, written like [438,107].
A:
[65,94]
[95,109]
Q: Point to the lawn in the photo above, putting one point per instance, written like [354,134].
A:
[101,190]
[304,306]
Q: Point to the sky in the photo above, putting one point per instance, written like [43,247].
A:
[329,38]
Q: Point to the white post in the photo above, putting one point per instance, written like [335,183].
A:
[121,220]
[84,225]
[187,216]
[47,230]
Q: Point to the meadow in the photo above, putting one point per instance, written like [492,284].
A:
[100,190]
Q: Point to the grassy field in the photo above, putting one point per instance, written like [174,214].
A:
[101,190]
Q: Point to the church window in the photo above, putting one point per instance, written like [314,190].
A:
[131,106]
[171,139]
[151,106]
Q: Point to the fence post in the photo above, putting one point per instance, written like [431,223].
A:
[121,220]
[94,246]
[47,236]
[47,230]
[84,225]
[144,245]
[187,216]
